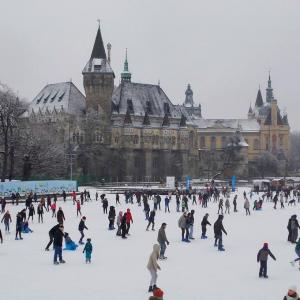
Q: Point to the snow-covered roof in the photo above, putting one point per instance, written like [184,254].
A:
[63,96]
[144,98]
[244,125]
[97,65]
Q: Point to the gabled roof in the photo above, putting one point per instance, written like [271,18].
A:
[58,96]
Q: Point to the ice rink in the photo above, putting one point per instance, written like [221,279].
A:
[193,271]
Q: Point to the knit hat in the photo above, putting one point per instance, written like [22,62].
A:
[158,293]
[292,290]
[266,245]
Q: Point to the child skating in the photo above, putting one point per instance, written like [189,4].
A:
[88,249]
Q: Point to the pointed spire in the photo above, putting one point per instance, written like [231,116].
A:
[98,49]
[269,90]
[259,100]
[126,75]
[250,110]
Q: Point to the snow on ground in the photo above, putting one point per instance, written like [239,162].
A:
[193,271]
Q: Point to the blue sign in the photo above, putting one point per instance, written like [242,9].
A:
[39,187]
[233,183]
[188,183]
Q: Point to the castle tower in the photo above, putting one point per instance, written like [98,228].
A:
[126,75]
[269,91]
[98,80]
[189,101]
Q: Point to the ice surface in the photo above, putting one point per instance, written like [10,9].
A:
[193,271]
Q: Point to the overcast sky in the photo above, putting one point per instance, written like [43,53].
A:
[223,48]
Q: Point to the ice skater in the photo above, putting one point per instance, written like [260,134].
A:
[57,243]
[204,223]
[6,219]
[297,250]
[262,258]
[153,267]
[88,249]
[81,228]
[151,220]
[162,240]
[218,230]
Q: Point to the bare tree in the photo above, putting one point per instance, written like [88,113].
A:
[10,110]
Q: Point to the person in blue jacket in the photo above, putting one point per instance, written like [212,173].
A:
[88,249]
[70,245]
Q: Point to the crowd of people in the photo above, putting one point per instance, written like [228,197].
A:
[150,203]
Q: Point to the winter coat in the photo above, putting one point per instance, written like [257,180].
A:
[263,254]
[205,221]
[88,247]
[81,225]
[60,216]
[246,204]
[152,263]
[53,230]
[40,210]
[182,222]
[158,298]
[227,203]
[128,216]
[105,203]
[31,210]
[6,218]
[119,219]
[111,214]
[161,237]
[219,228]
[19,220]
[58,238]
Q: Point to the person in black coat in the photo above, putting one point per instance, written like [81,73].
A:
[57,243]
[262,258]
[40,212]
[31,212]
[123,226]
[81,228]
[111,218]
[64,195]
[218,230]
[151,220]
[204,223]
[19,225]
[51,235]
[60,216]
[105,205]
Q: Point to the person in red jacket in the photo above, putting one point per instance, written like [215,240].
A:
[78,207]
[128,220]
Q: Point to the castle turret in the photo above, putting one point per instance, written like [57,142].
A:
[269,91]
[189,101]
[98,80]
[126,75]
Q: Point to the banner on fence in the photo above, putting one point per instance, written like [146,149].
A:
[39,187]
[170,182]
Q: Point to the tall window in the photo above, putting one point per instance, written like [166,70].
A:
[224,141]
[166,108]
[256,145]
[213,143]
[130,106]
[202,142]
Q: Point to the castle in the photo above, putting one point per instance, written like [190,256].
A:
[134,132]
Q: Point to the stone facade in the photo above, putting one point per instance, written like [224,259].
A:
[134,132]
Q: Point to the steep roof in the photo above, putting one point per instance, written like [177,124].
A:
[98,49]
[259,100]
[142,97]
[63,96]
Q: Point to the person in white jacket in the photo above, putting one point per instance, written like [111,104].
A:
[247,206]
[153,266]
